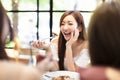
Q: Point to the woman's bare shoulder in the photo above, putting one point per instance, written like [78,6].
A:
[55,40]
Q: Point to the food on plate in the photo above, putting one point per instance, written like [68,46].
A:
[61,75]
[65,77]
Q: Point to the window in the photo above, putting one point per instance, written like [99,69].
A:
[37,19]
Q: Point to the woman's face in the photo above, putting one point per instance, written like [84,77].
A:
[68,26]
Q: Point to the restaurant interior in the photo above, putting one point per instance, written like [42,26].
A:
[39,19]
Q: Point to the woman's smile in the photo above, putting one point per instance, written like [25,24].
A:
[67,35]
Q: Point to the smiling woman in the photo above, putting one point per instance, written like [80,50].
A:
[72,44]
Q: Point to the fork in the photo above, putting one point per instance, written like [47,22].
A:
[48,38]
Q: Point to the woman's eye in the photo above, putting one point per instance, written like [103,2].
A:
[70,24]
[62,24]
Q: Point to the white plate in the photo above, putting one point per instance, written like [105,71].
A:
[50,75]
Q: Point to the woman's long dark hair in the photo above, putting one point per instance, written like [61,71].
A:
[61,41]
[4,20]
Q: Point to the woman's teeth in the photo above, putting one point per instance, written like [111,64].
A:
[68,33]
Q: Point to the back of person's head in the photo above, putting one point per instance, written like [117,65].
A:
[5,29]
[103,35]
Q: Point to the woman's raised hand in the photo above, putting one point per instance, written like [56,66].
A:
[40,44]
[74,37]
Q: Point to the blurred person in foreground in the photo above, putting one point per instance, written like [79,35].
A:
[11,70]
[72,45]
[104,43]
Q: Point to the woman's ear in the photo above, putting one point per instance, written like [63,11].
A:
[79,28]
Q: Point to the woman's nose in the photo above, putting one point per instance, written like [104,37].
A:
[65,27]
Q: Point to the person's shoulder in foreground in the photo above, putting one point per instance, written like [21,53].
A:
[99,73]
[17,71]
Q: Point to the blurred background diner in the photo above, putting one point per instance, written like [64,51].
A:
[11,70]
[103,37]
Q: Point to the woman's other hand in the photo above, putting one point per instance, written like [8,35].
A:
[40,44]
[45,64]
